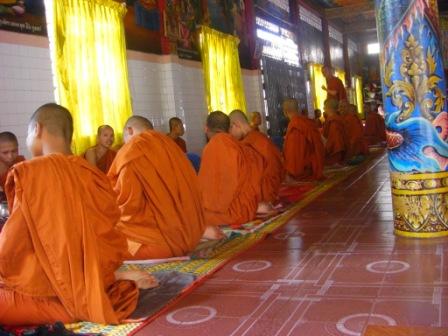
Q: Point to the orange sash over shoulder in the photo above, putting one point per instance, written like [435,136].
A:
[273,172]
[158,196]
[227,180]
[62,247]
[303,149]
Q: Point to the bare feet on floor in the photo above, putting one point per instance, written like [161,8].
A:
[264,209]
[213,233]
[143,280]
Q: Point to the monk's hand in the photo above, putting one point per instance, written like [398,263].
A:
[213,233]
[143,279]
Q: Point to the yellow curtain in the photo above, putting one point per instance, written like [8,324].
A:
[88,53]
[223,83]
[359,96]
[317,81]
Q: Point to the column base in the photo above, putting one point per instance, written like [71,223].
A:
[420,203]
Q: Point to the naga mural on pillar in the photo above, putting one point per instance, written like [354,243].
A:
[414,88]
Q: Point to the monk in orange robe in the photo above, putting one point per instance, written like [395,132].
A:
[229,177]
[272,169]
[375,128]
[354,134]
[59,250]
[303,149]
[101,155]
[335,88]
[255,121]
[176,131]
[158,194]
[334,134]
[9,155]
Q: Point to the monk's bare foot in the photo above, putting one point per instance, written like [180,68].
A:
[264,208]
[213,233]
[143,280]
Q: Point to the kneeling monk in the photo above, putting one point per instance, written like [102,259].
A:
[158,194]
[303,148]
[59,250]
[101,155]
[229,177]
[272,173]
[9,155]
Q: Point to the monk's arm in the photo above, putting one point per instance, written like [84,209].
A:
[130,194]
[90,156]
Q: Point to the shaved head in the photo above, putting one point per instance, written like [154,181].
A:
[218,121]
[291,104]
[134,126]
[173,122]
[140,123]
[238,115]
[56,119]
[103,128]
[8,137]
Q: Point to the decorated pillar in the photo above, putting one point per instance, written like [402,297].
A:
[416,119]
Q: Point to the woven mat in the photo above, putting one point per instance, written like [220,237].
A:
[220,253]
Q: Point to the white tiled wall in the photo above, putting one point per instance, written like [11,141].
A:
[160,89]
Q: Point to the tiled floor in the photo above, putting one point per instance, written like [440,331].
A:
[332,270]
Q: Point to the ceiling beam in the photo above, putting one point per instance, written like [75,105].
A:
[360,26]
[366,8]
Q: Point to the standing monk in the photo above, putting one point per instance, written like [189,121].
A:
[375,128]
[334,133]
[59,250]
[229,177]
[273,173]
[9,155]
[176,131]
[101,155]
[158,194]
[303,148]
[335,88]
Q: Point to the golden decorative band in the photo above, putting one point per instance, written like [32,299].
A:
[420,204]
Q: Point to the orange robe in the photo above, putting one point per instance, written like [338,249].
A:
[335,84]
[158,196]
[334,133]
[375,129]
[354,133]
[273,172]
[228,181]
[59,250]
[303,149]
[3,176]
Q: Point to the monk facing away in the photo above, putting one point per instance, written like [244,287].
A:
[334,133]
[158,194]
[59,250]
[354,133]
[229,177]
[375,128]
[303,149]
[101,155]
[9,155]
[272,171]
[176,131]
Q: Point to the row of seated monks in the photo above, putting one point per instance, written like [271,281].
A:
[71,225]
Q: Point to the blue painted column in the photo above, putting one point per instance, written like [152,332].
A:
[416,119]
